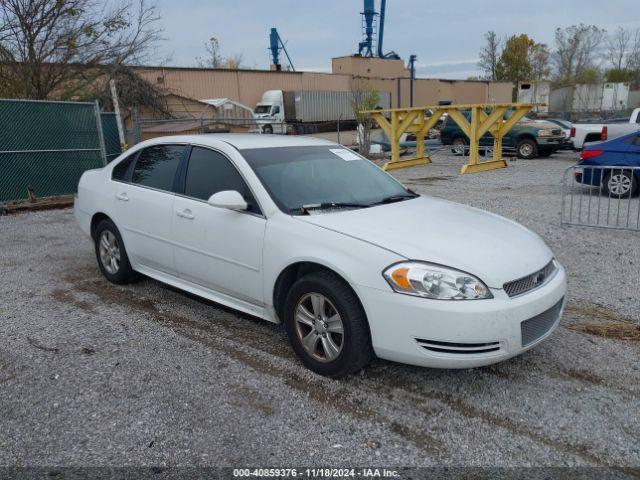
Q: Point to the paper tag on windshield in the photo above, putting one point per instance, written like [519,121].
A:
[345,154]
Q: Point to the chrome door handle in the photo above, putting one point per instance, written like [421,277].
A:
[122,196]
[186,213]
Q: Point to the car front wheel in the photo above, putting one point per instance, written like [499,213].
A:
[111,254]
[527,149]
[459,146]
[327,326]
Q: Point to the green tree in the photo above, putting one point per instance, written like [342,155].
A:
[514,64]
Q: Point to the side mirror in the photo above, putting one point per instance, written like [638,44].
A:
[229,199]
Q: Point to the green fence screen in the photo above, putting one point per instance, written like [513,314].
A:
[111,137]
[47,145]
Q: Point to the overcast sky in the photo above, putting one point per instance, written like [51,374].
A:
[445,35]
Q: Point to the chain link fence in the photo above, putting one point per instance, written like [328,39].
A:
[45,146]
[111,137]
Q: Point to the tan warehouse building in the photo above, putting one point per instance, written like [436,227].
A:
[247,86]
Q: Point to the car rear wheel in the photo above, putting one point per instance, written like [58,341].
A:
[459,146]
[527,149]
[620,183]
[111,254]
[326,325]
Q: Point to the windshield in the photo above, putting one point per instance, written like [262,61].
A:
[298,178]
[263,108]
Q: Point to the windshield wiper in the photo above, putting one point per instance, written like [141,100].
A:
[304,210]
[396,198]
[330,205]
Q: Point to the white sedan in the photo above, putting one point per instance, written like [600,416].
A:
[308,233]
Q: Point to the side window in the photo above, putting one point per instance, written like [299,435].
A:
[275,110]
[156,166]
[211,172]
[122,171]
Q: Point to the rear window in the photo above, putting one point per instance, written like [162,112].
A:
[122,171]
[156,166]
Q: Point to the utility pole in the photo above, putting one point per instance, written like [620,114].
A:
[412,76]
[116,109]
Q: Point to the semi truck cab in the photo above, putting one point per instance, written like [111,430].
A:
[269,112]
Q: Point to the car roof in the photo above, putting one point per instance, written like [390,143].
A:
[243,140]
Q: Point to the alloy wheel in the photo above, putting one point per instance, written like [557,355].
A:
[319,327]
[109,252]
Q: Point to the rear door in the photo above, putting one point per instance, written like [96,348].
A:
[143,200]
[217,248]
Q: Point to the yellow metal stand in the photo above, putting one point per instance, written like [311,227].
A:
[484,118]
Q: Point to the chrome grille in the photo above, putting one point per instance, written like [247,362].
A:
[556,131]
[530,282]
[536,327]
[460,348]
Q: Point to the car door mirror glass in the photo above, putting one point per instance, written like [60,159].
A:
[229,199]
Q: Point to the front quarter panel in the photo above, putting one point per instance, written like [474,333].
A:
[289,241]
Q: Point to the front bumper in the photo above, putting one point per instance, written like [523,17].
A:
[402,325]
[550,141]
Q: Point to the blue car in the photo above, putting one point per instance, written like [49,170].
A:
[619,153]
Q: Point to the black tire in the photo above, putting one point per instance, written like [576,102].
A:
[356,351]
[268,129]
[459,146]
[124,273]
[527,149]
[631,180]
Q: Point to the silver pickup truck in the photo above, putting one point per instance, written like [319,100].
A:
[582,133]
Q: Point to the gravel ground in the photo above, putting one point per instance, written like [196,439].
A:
[93,374]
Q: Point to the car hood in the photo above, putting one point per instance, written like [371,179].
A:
[540,124]
[493,248]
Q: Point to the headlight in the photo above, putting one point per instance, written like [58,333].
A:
[545,133]
[434,281]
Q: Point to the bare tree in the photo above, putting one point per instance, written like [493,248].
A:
[364,97]
[623,49]
[539,56]
[618,44]
[134,92]
[489,56]
[576,55]
[214,59]
[55,48]
[233,62]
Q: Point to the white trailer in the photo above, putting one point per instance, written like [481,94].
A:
[535,92]
[307,110]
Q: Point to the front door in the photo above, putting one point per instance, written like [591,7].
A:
[217,248]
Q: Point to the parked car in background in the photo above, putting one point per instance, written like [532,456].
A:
[407,140]
[566,127]
[619,153]
[592,132]
[527,138]
[305,232]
